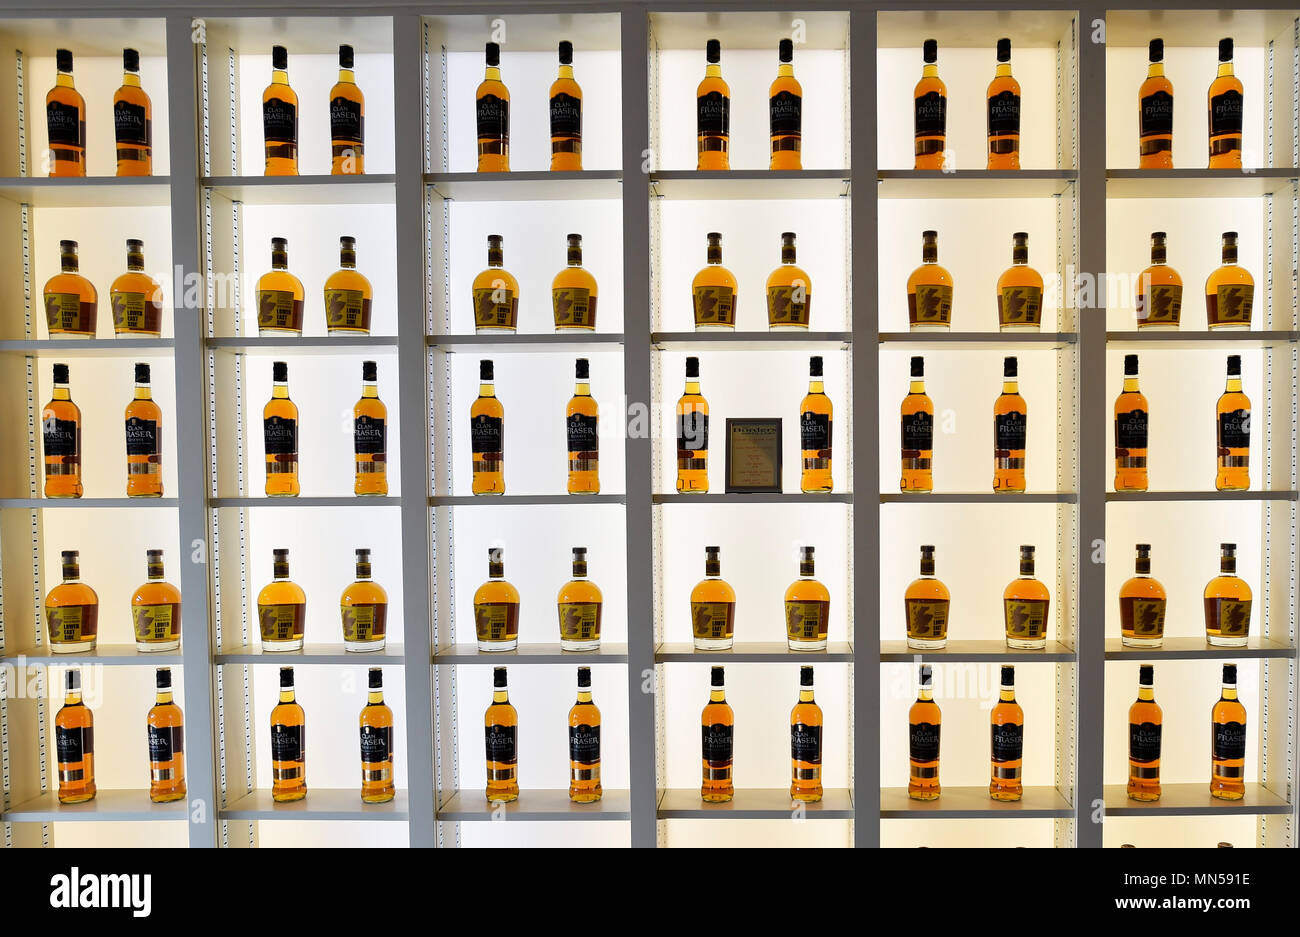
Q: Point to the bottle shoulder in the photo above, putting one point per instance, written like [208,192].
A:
[156,592]
[282,592]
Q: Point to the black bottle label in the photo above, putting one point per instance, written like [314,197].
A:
[713,114]
[918,432]
[1004,114]
[1009,431]
[923,742]
[1008,742]
[62,437]
[815,431]
[581,433]
[64,124]
[1157,114]
[486,434]
[141,437]
[931,114]
[693,432]
[785,113]
[1225,113]
[1131,430]
[584,745]
[166,743]
[287,743]
[716,743]
[369,436]
[1234,429]
[281,435]
[500,744]
[566,115]
[280,121]
[131,125]
[1143,742]
[806,743]
[347,123]
[376,744]
[492,115]
[1229,741]
[73,745]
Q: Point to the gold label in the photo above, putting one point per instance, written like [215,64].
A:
[927,618]
[1026,618]
[788,305]
[496,621]
[495,307]
[932,304]
[157,623]
[806,621]
[135,312]
[580,621]
[712,620]
[1233,617]
[277,309]
[364,622]
[1233,303]
[72,624]
[574,307]
[1166,304]
[1149,617]
[281,622]
[714,305]
[346,309]
[65,312]
[1020,305]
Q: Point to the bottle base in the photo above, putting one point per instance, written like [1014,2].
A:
[786,328]
[929,327]
[71,336]
[384,798]
[806,645]
[585,797]
[288,797]
[575,328]
[494,329]
[77,798]
[502,797]
[1126,641]
[137,333]
[362,647]
[1227,795]
[79,647]
[713,644]
[580,645]
[1219,641]
[1158,327]
[714,328]
[1005,796]
[144,494]
[806,797]
[928,644]
[337,331]
[713,797]
[1229,326]
[923,795]
[271,332]
[169,798]
[1017,327]
[1022,644]
[491,647]
[1146,797]
[274,647]
[153,647]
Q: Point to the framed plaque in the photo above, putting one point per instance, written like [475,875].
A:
[753,455]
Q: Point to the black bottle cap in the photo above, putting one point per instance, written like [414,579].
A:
[713,52]
[369,371]
[280,371]
[1009,367]
[498,677]
[1004,50]
[345,57]
[60,374]
[141,373]
[716,677]
[493,55]
[63,60]
[805,675]
[1229,673]
[1228,549]
[130,60]
[1159,234]
[1146,674]
[1225,50]
[163,678]
[70,556]
[485,370]
[1156,50]
[134,245]
[286,677]
[584,677]
[74,679]
[692,367]
[376,678]
[930,51]
[279,57]
[1008,675]
[785,50]
[566,52]
[70,247]
[918,366]
[1020,236]
[1226,236]
[581,369]
[1234,364]
[815,366]
[1130,364]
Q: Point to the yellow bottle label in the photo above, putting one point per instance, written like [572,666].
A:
[496,621]
[713,620]
[1233,617]
[135,312]
[806,621]
[72,624]
[1026,618]
[1020,305]
[495,308]
[1161,303]
[347,309]
[281,622]
[927,618]
[1233,303]
[364,622]
[580,621]
[931,304]
[278,309]
[1149,617]
[574,308]
[788,305]
[714,305]
[65,312]
[157,623]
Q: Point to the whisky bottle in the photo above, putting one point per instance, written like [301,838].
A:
[370,436]
[713,113]
[929,290]
[582,434]
[1227,603]
[573,292]
[376,721]
[1144,724]
[72,610]
[156,609]
[74,743]
[133,121]
[500,728]
[713,606]
[496,608]
[71,301]
[1004,113]
[347,294]
[487,430]
[925,606]
[495,293]
[280,436]
[1025,603]
[492,115]
[1142,602]
[280,118]
[65,121]
[930,107]
[806,743]
[281,608]
[166,731]
[1008,741]
[789,292]
[584,744]
[717,731]
[136,298]
[1020,290]
[61,440]
[1228,741]
[579,605]
[288,744]
[143,440]
[1232,426]
[566,115]
[1010,429]
[364,610]
[785,112]
[713,291]
[1131,416]
[916,419]
[815,427]
[279,295]
[1156,113]
[347,121]
[692,434]
[923,722]
[807,608]
[1225,108]
[1229,290]
[1160,290]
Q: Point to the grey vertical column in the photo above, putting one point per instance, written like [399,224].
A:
[191,448]
[865,354]
[635,46]
[412,364]
[1091,646]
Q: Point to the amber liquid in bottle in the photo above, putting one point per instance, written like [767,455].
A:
[280,118]
[133,121]
[72,610]
[579,605]
[280,436]
[1020,290]
[713,606]
[806,743]
[1156,113]
[692,434]
[156,609]
[785,112]
[1160,290]
[136,298]
[1131,419]
[1228,741]
[929,290]
[923,721]
[807,608]
[495,292]
[347,121]
[166,727]
[1225,113]
[1144,727]
[916,422]
[279,295]
[930,107]
[370,436]
[573,292]
[714,291]
[288,744]
[566,115]
[65,120]
[500,730]
[582,434]
[584,744]
[815,426]
[925,606]
[789,292]
[487,421]
[347,294]
[496,608]
[61,439]
[717,731]
[143,440]
[364,610]
[377,786]
[1025,604]
[1007,723]
[1232,432]
[1004,113]
[1142,602]
[713,113]
[492,115]
[1227,603]
[74,739]
[281,608]
[1010,428]
[71,301]
[1229,290]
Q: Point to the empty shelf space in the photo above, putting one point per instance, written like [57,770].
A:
[115,805]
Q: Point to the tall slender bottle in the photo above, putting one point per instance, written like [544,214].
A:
[288,744]
[1008,741]
[500,732]
[582,434]
[280,436]
[1232,431]
[133,121]
[713,113]
[806,743]
[487,431]
[1010,431]
[61,439]
[370,436]
[376,722]
[1228,741]
[785,112]
[1132,414]
[692,434]
[717,733]
[143,419]
[74,744]
[347,121]
[65,121]
[930,109]
[280,118]
[815,426]
[166,732]
[1004,113]
[1156,113]
[492,115]
[566,115]
[916,421]
[923,721]
[1145,721]
[584,744]
[1225,113]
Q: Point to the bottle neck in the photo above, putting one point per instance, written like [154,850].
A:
[1007,694]
[1130,384]
[566,71]
[1004,69]
[375,697]
[72,698]
[924,693]
[1225,68]
[369,389]
[363,572]
[806,570]
[930,71]
[816,385]
[486,389]
[286,694]
[130,79]
[805,694]
[492,73]
[581,388]
[1026,569]
[142,392]
[1233,384]
[1228,565]
[714,70]
[1010,385]
[1229,254]
[499,695]
[693,385]
[717,694]
[64,80]
[71,574]
[917,386]
[280,390]
[785,70]
[69,265]
[347,76]
[584,694]
[61,392]
[280,570]
[1146,694]
[575,256]
[1229,691]
[279,76]
[1156,70]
